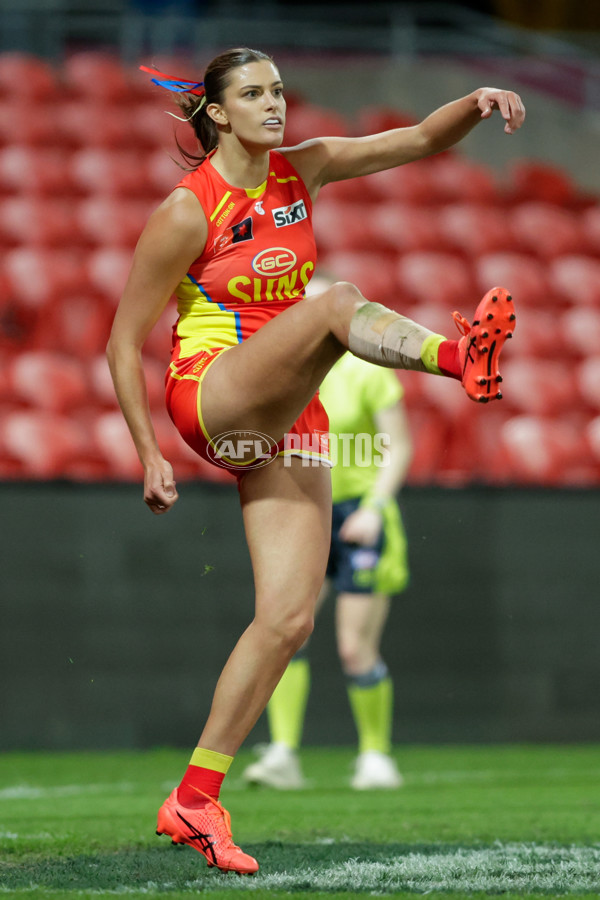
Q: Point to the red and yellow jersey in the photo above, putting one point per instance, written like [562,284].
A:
[259,256]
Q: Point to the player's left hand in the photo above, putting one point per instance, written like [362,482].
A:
[362,527]
[160,492]
[508,103]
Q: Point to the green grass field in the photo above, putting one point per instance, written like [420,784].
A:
[470,822]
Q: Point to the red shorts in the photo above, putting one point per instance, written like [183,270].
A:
[239,451]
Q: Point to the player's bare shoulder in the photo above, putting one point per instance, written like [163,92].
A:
[310,160]
[183,207]
[180,218]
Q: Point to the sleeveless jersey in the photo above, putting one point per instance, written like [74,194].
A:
[259,256]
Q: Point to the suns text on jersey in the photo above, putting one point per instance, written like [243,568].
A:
[285,287]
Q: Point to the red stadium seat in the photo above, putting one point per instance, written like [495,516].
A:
[11,469]
[371,272]
[307,121]
[96,75]
[579,329]
[101,383]
[341,226]
[430,435]
[360,191]
[544,450]
[35,170]
[78,326]
[6,395]
[412,384]
[103,391]
[162,173]
[443,277]
[17,326]
[160,340]
[523,276]
[156,125]
[446,395]
[546,230]
[39,276]
[401,228]
[374,119]
[18,123]
[110,221]
[533,180]
[407,184]
[542,387]
[477,444]
[151,127]
[48,380]
[577,278]
[155,371]
[99,170]
[592,435]
[85,123]
[436,316]
[475,228]
[538,334]
[590,224]
[36,221]
[455,178]
[26,77]
[46,444]
[588,380]
[107,269]
[112,442]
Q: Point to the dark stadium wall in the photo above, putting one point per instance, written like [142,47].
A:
[115,624]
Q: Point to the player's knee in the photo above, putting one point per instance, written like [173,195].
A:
[291,629]
[300,631]
[336,299]
[355,656]
[343,294]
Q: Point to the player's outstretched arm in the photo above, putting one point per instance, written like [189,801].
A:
[324,160]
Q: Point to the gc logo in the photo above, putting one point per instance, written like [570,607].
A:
[274,261]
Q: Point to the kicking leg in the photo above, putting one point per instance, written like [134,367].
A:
[264,383]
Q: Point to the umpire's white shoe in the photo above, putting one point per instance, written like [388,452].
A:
[278,767]
[375,771]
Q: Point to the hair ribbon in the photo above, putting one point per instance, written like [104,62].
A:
[177,85]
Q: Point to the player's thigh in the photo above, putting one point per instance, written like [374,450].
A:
[265,382]
[287,519]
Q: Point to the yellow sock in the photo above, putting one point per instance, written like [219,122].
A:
[372,708]
[287,706]
[429,353]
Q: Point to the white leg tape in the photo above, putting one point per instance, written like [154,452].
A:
[386,338]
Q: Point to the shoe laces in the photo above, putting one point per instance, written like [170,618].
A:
[461,323]
[225,818]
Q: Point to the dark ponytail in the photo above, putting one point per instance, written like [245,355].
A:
[216,80]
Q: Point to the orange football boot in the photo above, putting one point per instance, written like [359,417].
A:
[208,830]
[480,346]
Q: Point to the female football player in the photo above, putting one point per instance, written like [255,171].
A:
[234,242]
